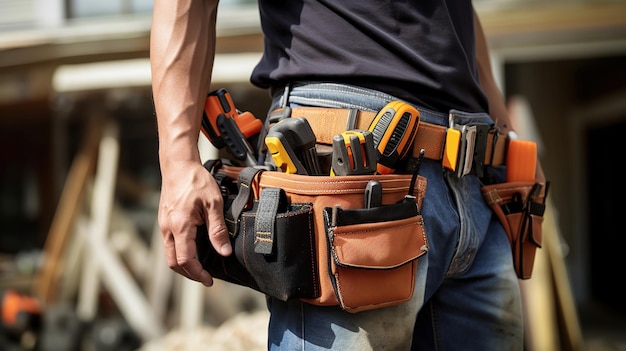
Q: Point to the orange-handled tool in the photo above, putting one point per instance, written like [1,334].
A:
[226,128]
[521,161]
[219,102]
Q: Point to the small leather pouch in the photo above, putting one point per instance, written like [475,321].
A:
[373,248]
[520,207]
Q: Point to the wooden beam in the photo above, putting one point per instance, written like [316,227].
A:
[553,18]
[69,206]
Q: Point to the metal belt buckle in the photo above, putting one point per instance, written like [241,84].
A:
[466,149]
[471,149]
[480,148]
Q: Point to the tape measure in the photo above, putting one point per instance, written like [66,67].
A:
[394,129]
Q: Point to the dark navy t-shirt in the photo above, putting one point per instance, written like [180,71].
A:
[418,50]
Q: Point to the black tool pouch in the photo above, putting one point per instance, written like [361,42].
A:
[273,243]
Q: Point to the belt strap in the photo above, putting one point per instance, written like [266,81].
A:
[264,223]
[328,122]
[243,199]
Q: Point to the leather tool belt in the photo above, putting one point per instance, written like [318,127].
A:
[319,238]
[518,205]
[487,149]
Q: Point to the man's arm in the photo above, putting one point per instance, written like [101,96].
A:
[497,106]
[182,49]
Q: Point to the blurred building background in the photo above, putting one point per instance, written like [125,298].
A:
[72,67]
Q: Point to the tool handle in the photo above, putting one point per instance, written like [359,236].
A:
[283,155]
[209,129]
[521,161]
[373,194]
[291,142]
[394,129]
[248,124]
[220,103]
[353,153]
[234,140]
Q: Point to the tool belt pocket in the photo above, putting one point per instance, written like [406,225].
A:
[273,248]
[520,208]
[374,247]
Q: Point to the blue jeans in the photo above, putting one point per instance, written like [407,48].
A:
[466,294]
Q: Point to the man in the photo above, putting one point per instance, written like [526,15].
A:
[351,54]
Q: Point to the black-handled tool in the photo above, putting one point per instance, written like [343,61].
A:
[373,194]
[234,141]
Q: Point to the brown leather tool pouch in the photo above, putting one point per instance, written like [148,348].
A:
[359,250]
[520,207]
[373,248]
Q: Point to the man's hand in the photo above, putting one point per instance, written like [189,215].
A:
[182,49]
[190,197]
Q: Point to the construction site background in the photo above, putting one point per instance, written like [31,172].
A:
[81,264]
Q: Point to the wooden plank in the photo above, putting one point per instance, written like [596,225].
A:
[549,311]
[102,266]
[126,293]
[540,317]
[100,218]
[569,325]
[69,206]
[159,284]
[501,21]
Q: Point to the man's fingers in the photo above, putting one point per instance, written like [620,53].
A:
[193,269]
[218,233]
[181,258]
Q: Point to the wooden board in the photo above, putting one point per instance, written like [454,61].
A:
[81,171]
